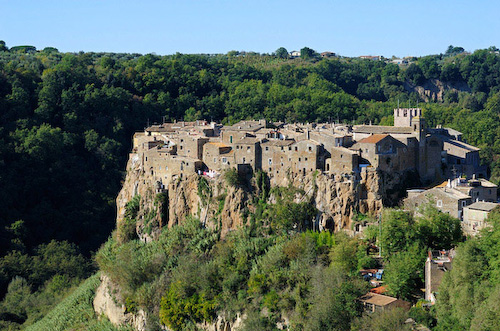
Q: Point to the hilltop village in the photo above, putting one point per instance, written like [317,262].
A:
[172,150]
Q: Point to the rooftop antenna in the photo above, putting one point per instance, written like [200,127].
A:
[398,103]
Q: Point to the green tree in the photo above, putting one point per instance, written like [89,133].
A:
[404,272]
[307,53]
[282,53]
[3,47]
[438,230]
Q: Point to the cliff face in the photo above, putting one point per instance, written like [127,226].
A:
[216,204]
[338,197]
[434,89]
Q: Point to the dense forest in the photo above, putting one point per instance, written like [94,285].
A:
[66,121]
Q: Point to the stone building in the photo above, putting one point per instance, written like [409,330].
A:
[445,199]
[436,265]
[284,150]
[452,196]
[373,302]
[475,216]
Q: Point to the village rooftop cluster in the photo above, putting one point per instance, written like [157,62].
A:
[170,150]
[166,152]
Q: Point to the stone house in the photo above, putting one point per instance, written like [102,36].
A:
[383,152]
[247,151]
[231,134]
[191,145]
[373,302]
[218,156]
[342,160]
[159,165]
[475,216]
[478,189]
[445,199]
[463,158]
[305,156]
[277,158]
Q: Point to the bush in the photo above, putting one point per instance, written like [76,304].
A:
[232,177]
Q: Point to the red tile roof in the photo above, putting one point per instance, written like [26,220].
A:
[378,290]
[373,139]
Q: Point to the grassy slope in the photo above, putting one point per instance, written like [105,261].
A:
[75,312]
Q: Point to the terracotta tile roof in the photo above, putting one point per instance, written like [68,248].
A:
[218,144]
[379,290]
[443,184]
[373,139]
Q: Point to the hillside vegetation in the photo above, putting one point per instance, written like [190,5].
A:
[66,121]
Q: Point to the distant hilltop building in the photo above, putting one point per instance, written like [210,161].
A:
[170,151]
[371,57]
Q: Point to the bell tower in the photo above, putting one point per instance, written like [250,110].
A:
[405,117]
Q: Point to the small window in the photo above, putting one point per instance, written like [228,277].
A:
[181,147]
[464,203]
[248,148]
[299,159]
[182,140]
[270,161]
[146,158]
[224,160]
[305,159]
[215,160]
[296,149]
[310,149]
[267,148]
[439,203]
[243,160]
[341,156]
[289,148]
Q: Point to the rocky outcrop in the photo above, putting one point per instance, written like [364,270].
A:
[223,323]
[434,89]
[107,303]
[338,197]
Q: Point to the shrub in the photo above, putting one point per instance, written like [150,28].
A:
[232,177]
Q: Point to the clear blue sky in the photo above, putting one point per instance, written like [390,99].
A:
[349,28]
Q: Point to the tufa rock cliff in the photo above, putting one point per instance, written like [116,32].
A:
[338,197]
